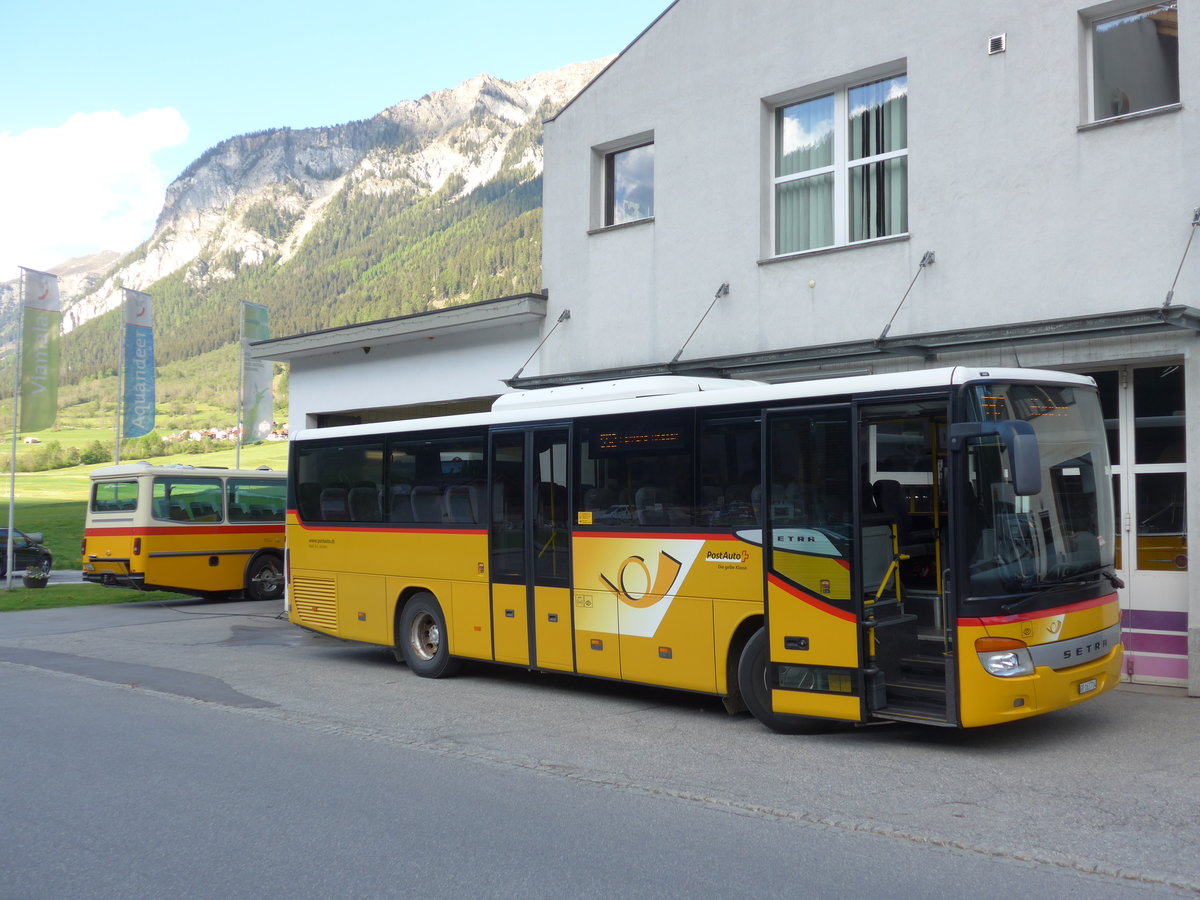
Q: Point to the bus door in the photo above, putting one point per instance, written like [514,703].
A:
[530,548]
[812,604]
[902,517]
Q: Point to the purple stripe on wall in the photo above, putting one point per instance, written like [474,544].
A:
[1159,666]
[1154,620]
[1155,643]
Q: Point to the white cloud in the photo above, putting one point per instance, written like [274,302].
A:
[89,185]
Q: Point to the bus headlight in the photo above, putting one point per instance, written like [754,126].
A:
[1004,657]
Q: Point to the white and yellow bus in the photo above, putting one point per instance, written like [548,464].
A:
[932,546]
[205,531]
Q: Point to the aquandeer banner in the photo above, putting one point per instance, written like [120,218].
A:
[138,395]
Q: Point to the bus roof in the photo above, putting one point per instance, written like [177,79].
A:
[145,468]
[670,392]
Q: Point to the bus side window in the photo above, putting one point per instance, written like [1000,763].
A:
[364,503]
[729,469]
[427,503]
[333,504]
[308,497]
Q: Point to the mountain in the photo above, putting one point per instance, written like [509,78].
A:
[432,202]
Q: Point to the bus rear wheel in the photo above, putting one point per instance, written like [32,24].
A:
[264,578]
[421,638]
[756,694]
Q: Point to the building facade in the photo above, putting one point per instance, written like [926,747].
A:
[787,189]
[441,362]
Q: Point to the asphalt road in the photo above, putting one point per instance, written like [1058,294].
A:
[200,749]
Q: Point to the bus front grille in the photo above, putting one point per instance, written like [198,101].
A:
[315,603]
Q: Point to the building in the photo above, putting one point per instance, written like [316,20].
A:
[912,184]
[433,363]
[784,190]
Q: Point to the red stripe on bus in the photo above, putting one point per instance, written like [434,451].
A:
[1038,614]
[198,528]
[842,614]
[375,529]
[657,535]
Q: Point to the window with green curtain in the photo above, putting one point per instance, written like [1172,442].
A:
[841,166]
[804,136]
[877,137]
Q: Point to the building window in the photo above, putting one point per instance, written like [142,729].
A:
[629,185]
[1135,61]
[841,166]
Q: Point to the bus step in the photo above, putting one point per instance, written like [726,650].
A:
[897,713]
[904,696]
[918,683]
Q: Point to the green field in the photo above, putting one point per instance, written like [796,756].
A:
[55,503]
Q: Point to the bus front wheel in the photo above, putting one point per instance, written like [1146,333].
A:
[756,694]
[421,638]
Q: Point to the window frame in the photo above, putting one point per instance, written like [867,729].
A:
[1089,19]
[603,182]
[842,165]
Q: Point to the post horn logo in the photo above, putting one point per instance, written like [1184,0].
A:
[637,588]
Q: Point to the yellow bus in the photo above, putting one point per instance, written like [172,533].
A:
[932,546]
[210,532]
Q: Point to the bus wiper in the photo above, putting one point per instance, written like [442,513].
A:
[1014,605]
[1081,579]
[1106,572]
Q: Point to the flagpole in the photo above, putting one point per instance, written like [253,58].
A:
[241,398]
[120,380]
[12,461]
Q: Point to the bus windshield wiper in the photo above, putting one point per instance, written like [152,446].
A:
[1050,587]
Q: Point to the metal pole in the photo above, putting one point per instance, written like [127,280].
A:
[241,400]
[12,462]
[120,377]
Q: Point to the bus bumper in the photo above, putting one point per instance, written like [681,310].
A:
[989,700]
[115,579]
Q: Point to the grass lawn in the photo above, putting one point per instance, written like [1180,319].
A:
[55,596]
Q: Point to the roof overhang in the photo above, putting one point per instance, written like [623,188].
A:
[455,320]
[925,346]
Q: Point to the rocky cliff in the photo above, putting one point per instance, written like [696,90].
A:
[251,200]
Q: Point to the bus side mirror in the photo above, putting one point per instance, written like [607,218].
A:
[1021,443]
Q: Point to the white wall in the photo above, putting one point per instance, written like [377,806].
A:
[1030,217]
[430,370]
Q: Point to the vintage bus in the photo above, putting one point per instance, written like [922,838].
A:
[933,546]
[196,530]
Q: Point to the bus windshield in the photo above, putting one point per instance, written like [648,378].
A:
[1061,535]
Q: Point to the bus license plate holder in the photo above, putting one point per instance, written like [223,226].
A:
[1086,687]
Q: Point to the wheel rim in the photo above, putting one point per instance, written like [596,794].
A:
[266,580]
[425,636]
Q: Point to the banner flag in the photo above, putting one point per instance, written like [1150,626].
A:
[258,404]
[137,397]
[41,326]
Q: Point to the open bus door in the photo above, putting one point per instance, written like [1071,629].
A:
[815,665]
[856,616]
[903,561]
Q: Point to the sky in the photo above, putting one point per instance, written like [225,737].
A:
[102,105]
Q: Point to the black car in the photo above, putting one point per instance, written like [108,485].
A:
[28,552]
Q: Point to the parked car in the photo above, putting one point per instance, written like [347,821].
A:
[28,552]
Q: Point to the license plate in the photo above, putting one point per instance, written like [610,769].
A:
[1086,687]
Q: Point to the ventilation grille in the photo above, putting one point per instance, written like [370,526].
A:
[997,44]
[315,603]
